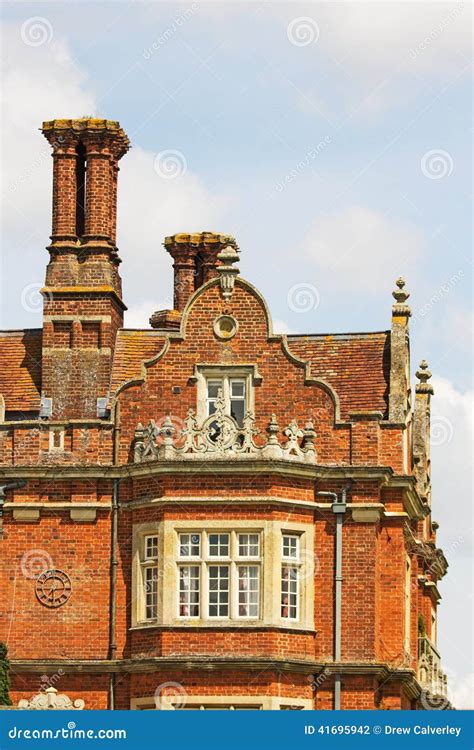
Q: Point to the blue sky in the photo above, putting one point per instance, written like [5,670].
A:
[332,139]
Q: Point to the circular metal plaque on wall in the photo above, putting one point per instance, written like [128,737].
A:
[53,588]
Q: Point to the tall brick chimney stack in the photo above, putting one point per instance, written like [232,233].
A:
[195,261]
[83,305]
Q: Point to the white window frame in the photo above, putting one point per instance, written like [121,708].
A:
[291,563]
[149,562]
[233,561]
[191,565]
[224,382]
[206,373]
[269,559]
[248,603]
[223,702]
[192,544]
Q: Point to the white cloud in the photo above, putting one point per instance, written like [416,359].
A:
[451,455]
[39,83]
[451,461]
[388,36]
[389,51]
[281,326]
[363,247]
[42,83]
[138,315]
[461,690]
[151,207]
[393,36]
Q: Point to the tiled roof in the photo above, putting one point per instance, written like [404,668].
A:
[132,347]
[20,369]
[356,365]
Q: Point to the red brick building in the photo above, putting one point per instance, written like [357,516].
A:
[206,513]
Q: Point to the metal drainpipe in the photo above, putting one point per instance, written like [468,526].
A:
[114,561]
[16,485]
[113,589]
[338,508]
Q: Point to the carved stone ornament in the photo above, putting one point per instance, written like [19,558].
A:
[227,273]
[423,375]
[51,700]
[400,296]
[53,588]
[220,437]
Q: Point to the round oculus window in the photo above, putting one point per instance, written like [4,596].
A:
[225,327]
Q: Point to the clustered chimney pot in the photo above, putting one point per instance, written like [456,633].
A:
[195,261]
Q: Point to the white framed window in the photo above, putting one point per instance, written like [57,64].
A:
[221,572]
[249,545]
[233,392]
[289,592]
[219,707]
[221,586]
[290,576]
[190,545]
[149,566]
[235,384]
[249,590]
[290,547]
[219,590]
[189,590]
[218,545]
[220,703]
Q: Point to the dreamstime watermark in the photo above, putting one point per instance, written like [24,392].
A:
[303,298]
[32,298]
[316,682]
[441,431]
[169,429]
[170,164]
[437,164]
[36,31]
[433,701]
[170,695]
[438,295]
[435,33]
[309,565]
[49,681]
[35,562]
[302,31]
[302,165]
[169,32]
[29,171]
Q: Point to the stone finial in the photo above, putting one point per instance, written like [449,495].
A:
[399,393]
[273,429]
[423,375]
[400,295]
[227,273]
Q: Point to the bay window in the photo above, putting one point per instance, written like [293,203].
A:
[230,588]
[223,573]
